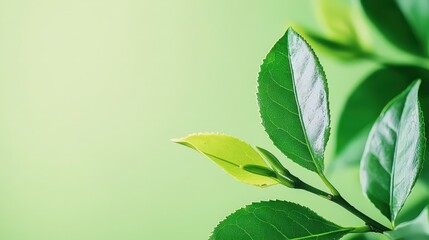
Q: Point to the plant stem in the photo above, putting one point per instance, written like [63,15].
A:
[338,199]
[362,229]
[374,225]
[331,187]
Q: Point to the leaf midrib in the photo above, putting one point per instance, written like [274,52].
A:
[392,174]
[299,111]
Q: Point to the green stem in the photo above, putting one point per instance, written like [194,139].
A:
[331,187]
[338,199]
[362,229]
[373,224]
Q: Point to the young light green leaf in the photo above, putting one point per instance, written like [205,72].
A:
[393,155]
[418,229]
[259,170]
[293,101]
[403,22]
[344,23]
[231,154]
[329,45]
[277,220]
[273,161]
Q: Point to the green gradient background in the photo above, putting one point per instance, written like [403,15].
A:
[91,91]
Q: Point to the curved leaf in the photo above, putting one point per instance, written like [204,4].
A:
[293,101]
[417,14]
[366,102]
[393,155]
[403,22]
[231,154]
[344,22]
[277,220]
[333,46]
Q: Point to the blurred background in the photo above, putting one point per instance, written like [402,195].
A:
[91,92]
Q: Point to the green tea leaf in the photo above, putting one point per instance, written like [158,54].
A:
[331,45]
[403,22]
[231,154]
[417,14]
[366,102]
[277,220]
[393,155]
[418,229]
[293,101]
[259,170]
[344,23]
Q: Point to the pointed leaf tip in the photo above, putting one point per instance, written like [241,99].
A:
[293,101]
[394,153]
[231,154]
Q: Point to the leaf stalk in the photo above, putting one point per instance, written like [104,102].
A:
[372,224]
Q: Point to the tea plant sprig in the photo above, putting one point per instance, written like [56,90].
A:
[294,108]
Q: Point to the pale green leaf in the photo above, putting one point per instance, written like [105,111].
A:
[344,23]
[332,46]
[231,154]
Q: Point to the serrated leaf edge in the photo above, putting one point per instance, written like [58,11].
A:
[325,84]
[345,229]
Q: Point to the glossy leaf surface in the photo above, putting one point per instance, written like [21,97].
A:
[393,155]
[277,220]
[231,154]
[293,101]
[365,104]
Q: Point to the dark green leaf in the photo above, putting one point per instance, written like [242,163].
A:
[403,22]
[418,229]
[366,102]
[417,14]
[393,155]
[277,220]
[293,101]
